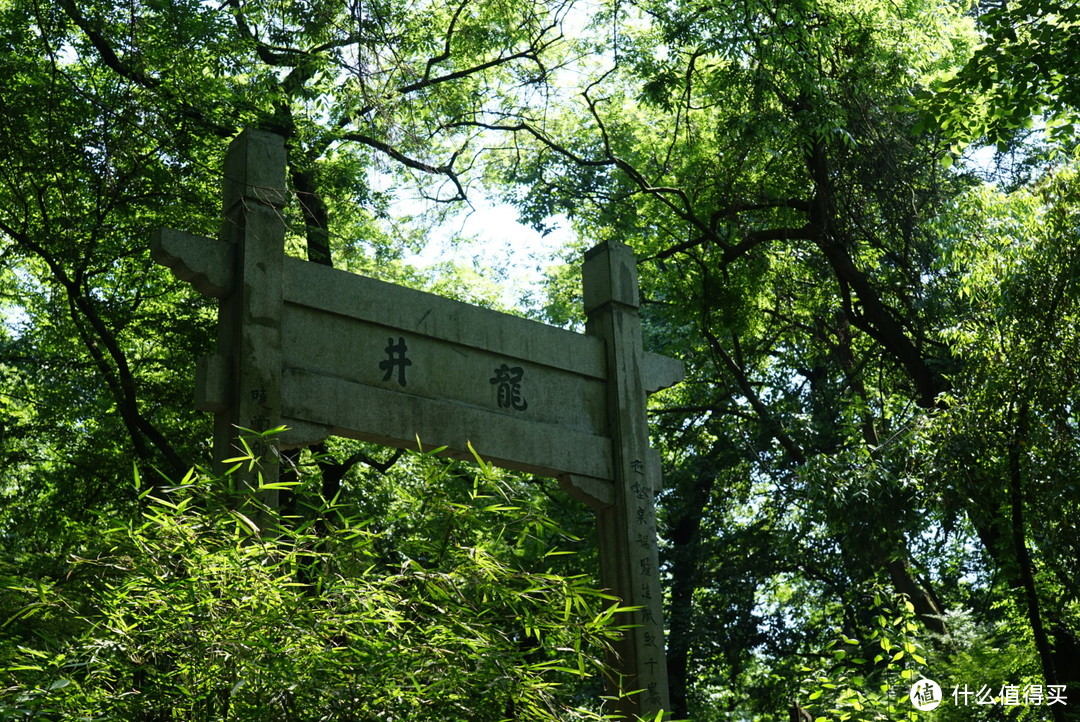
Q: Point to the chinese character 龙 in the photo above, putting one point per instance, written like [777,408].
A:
[509,390]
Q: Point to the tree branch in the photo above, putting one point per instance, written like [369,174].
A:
[768,421]
[105,50]
[444,170]
[125,70]
[875,319]
[445,54]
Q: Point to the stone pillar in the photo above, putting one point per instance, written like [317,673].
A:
[249,347]
[629,557]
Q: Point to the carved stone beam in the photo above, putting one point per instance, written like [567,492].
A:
[205,263]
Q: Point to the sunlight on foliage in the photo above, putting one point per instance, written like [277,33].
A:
[193,612]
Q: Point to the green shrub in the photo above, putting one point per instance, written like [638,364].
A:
[194,612]
[868,678]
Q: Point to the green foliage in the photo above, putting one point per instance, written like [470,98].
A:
[881,350]
[191,611]
[804,251]
[989,655]
[1024,70]
[869,675]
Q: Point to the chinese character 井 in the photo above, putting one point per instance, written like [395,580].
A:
[395,356]
[509,390]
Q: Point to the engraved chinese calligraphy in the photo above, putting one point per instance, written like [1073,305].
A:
[395,356]
[508,390]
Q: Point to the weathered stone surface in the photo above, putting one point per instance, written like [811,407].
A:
[347,294]
[205,263]
[388,417]
[627,533]
[595,493]
[610,277]
[249,318]
[660,372]
[255,171]
[417,366]
[212,384]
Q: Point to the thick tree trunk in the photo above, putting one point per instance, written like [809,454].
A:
[1024,567]
[1066,658]
[685,537]
[873,317]
[316,217]
[798,714]
[926,606]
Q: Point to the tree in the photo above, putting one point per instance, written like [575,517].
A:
[1015,423]
[795,228]
[115,117]
[760,164]
[121,127]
